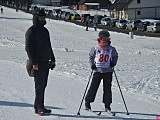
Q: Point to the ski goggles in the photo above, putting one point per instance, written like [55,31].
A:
[103,38]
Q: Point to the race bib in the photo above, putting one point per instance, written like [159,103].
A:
[102,58]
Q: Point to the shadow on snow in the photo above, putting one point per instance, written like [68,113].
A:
[118,114]
[14,18]
[18,104]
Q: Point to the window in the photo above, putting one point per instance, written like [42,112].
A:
[138,12]
[138,1]
[151,24]
[157,24]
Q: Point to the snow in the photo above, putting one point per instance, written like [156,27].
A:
[138,72]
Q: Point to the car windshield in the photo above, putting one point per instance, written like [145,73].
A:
[138,21]
[106,19]
[146,23]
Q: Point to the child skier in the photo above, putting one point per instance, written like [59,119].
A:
[103,57]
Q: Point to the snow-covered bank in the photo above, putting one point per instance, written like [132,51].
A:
[138,72]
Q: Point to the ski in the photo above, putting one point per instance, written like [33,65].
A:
[96,113]
[108,111]
[100,112]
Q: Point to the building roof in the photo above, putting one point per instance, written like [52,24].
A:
[120,4]
[92,4]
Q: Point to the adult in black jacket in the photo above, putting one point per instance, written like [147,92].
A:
[39,51]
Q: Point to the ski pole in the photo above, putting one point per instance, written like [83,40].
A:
[78,113]
[121,92]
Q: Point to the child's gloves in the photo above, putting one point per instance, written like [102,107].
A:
[112,64]
[93,67]
[52,65]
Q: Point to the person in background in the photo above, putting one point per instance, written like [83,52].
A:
[103,57]
[87,24]
[88,21]
[39,51]
[95,24]
[1,10]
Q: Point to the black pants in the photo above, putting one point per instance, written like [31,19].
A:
[86,27]
[107,83]
[95,28]
[40,79]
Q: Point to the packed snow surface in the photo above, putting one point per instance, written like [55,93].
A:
[138,72]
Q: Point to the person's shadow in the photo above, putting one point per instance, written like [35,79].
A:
[20,104]
[12,18]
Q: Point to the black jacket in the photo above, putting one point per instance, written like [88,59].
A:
[38,45]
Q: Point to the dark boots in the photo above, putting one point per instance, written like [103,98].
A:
[87,106]
[107,107]
[42,111]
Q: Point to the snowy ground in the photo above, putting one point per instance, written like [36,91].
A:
[138,72]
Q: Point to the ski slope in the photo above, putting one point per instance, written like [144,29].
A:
[138,72]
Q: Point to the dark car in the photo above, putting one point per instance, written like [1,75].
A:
[55,12]
[49,12]
[68,16]
[143,26]
[63,14]
[89,18]
[132,24]
[98,18]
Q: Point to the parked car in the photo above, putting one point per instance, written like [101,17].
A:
[55,12]
[98,18]
[75,16]
[143,26]
[113,21]
[121,24]
[89,18]
[49,12]
[68,16]
[63,14]
[83,17]
[60,13]
[105,21]
[154,26]
[132,24]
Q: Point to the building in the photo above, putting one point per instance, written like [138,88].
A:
[135,9]
[55,3]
